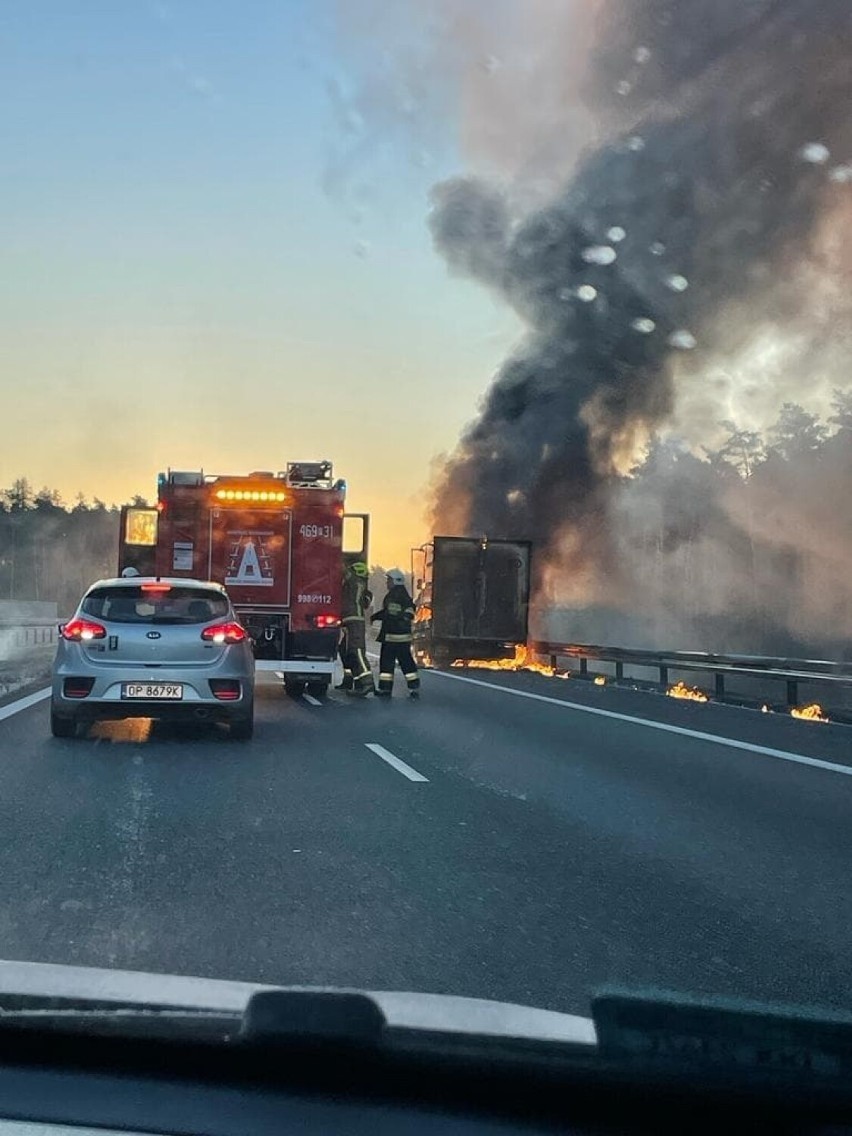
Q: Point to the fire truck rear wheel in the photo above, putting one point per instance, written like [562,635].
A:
[293,688]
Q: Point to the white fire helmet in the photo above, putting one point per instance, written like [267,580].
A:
[396,576]
[129,572]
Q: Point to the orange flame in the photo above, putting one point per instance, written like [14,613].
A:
[522,661]
[600,680]
[681,690]
[811,713]
[423,614]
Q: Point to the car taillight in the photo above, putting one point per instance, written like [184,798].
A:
[83,629]
[326,620]
[224,633]
[157,589]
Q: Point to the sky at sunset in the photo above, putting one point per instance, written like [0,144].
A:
[194,277]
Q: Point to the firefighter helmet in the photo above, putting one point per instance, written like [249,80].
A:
[360,569]
[129,572]
[396,576]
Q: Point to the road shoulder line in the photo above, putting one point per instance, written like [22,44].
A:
[23,703]
[684,731]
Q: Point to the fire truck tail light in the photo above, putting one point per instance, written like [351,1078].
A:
[326,620]
[83,629]
[224,633]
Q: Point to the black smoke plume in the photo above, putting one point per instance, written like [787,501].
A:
[703,216]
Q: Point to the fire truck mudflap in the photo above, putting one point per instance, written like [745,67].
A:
[274,540]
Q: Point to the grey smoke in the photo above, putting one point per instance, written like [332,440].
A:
[713,110]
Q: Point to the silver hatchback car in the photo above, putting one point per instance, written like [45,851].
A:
[153,648]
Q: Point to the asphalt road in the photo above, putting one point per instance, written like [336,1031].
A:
[544,851]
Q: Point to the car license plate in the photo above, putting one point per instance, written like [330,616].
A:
[153,691]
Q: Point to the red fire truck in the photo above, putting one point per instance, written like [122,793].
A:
[277,541]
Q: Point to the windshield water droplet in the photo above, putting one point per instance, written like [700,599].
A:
[586,293]
[623,88]
[599,254]
[682,339]
[643,325]
[676,282]
[816,152]
[841,174]
[642,54]
[657,248]
[616,234]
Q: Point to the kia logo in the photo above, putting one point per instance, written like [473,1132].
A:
[154,635]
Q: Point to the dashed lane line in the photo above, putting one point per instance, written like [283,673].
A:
[397,763]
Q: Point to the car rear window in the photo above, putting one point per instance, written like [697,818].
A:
[141,605]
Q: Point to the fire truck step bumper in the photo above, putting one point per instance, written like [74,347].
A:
[296,668]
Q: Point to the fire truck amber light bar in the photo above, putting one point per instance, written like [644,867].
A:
[249,495]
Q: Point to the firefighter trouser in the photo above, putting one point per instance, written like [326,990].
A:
[356,670]
[397,653]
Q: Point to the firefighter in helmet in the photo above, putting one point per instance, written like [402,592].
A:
[397,616]
[356,599]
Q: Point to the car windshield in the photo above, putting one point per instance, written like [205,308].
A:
[155,604]
[481,372]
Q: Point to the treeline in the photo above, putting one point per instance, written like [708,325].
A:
[748,546]
[50,550]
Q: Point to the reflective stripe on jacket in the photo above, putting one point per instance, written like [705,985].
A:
[397,615]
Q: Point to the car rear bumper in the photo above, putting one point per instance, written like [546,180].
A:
[86,710]
[105,700]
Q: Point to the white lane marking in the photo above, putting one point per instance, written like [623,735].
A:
[396,762]
[731,743]
[24,703]
[310,699]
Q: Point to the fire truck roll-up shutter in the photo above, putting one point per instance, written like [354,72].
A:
[250,552]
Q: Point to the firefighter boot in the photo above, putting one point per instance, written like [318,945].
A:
[385,689]
[347,682]
[413,681]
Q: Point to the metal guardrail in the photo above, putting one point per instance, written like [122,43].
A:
[789,671]
[34,633]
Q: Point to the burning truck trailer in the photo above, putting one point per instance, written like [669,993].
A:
[278,542]
[472,599]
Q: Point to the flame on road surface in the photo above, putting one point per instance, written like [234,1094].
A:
[681,690]
[523,660]
[811,713]
[600,680]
